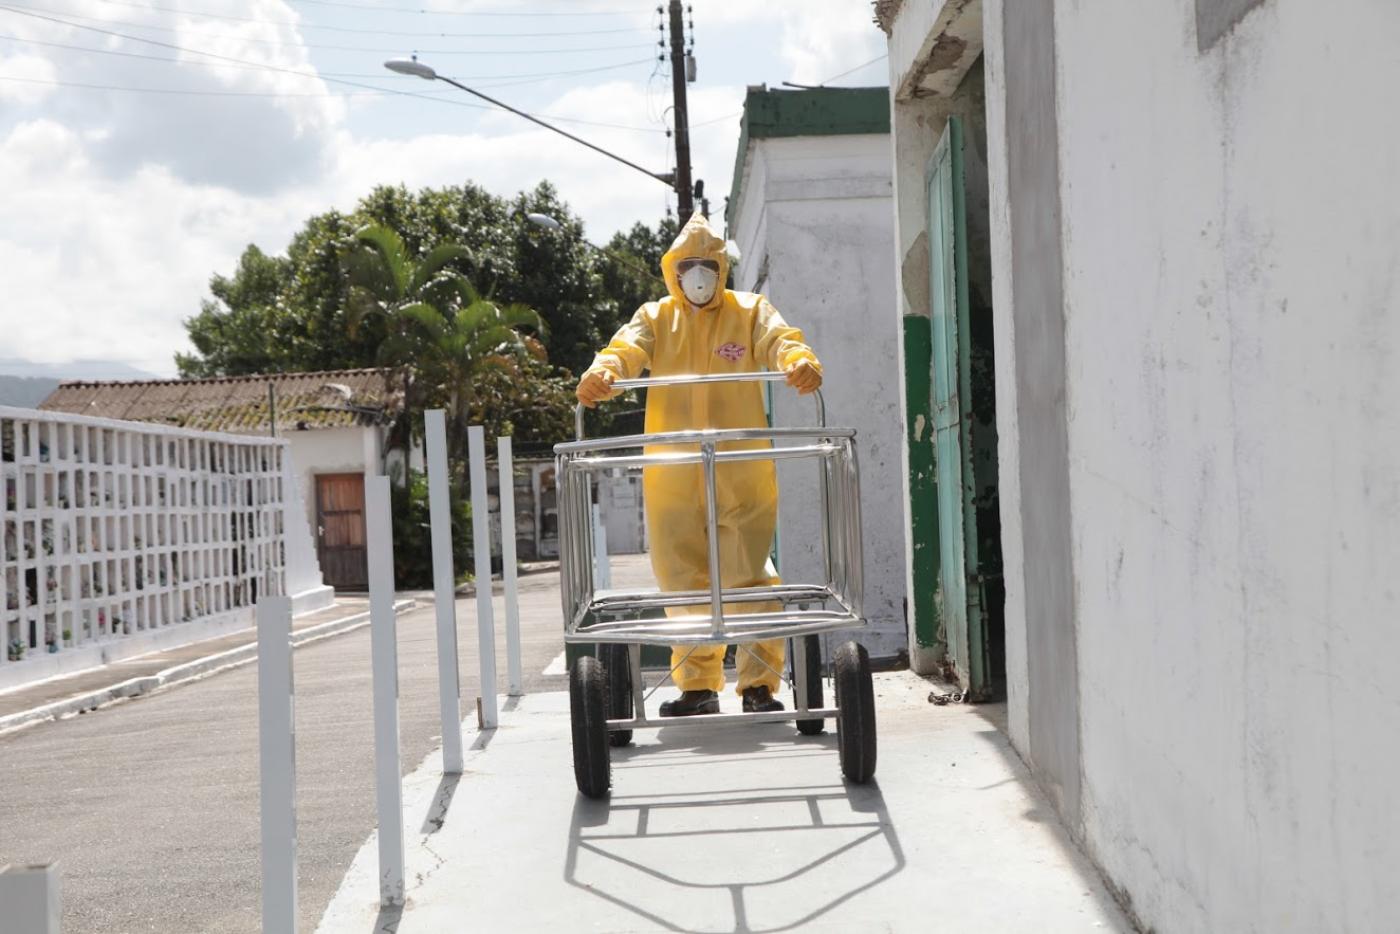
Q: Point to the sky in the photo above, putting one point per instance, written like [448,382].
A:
[145,143]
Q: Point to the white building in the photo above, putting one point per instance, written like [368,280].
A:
[1192,241]
[336,423]
[811,211]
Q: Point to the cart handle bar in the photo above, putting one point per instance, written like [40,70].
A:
[762,376]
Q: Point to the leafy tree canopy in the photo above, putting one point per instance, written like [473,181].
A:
[632,268]
[296,311]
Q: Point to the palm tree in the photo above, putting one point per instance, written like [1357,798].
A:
[386,282]
[455,349]
[439,331]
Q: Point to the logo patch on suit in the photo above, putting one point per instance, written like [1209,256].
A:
[732,352]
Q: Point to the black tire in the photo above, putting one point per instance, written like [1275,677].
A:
[619,670]
[814,685]
[855,718]
[588,686]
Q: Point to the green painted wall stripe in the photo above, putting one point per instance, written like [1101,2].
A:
[810,112]
[923,481]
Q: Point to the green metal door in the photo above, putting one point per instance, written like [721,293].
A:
[961,612]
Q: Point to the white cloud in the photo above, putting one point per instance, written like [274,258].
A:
[823,38]
[247,141]
[113,265]
[32,76]
[104,269]
[120,206]
[816,39]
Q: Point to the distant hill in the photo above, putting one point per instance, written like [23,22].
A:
[74,369]
[25,392]
[25,384]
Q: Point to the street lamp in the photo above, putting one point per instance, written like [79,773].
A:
[543,220]
[416,69]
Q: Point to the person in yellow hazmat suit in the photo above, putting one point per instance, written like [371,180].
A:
[701,327]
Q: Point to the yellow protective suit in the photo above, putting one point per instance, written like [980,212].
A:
[737,332]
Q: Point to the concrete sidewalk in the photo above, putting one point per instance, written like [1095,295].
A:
[132,677]
[746,829]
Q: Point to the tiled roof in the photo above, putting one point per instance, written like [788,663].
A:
[239,404]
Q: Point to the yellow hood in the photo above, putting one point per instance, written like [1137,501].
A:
[695,241]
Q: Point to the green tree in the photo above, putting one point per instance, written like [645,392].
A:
[513,262]
[454,348]
[237,330]
[295,312]
[632,265]
[397,292]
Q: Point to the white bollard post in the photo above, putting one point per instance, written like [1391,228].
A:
[384,652]
[515,681]
[602,567]
[30,898]
[444,591]
[277,764]
[481,539]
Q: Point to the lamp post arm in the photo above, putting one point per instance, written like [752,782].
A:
[520,113]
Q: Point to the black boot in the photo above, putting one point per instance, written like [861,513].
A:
[691,703]
[760,700]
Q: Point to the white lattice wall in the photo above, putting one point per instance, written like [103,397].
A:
[114,530]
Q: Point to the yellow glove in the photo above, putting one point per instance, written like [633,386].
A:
[804,376]
[595,387]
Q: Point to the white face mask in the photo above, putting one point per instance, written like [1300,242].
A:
[698,283]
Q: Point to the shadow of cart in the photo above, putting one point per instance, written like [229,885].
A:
[724,858]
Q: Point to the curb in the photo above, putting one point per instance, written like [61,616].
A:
[468,588]
[179,674]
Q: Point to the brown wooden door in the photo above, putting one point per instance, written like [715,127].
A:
[340,520]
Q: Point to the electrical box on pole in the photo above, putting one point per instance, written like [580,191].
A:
[679,71]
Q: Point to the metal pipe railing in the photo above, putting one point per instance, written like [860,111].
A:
[632,462]
[627,385]
[576,461]
[696,437]
[712,528]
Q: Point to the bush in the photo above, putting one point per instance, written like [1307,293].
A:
[413,537]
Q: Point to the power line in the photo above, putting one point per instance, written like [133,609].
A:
[851,71]
[223,58]
[493,83]
[378,91]
[374,7]
[351,29]
[492,80]
[719,119]
[291,71]
[257,40]
[187,92]
[192,93]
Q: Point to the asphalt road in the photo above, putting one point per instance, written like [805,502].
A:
[151,806]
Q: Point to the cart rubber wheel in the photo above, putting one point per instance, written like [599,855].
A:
[814,685]
[588,686]
[619,669]
[855,715]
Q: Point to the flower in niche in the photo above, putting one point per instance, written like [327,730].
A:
[732,352]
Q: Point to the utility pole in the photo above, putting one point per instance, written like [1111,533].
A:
[684,192]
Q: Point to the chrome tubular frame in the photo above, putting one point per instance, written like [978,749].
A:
[616,617]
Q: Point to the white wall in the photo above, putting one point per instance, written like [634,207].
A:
[624,513]
[330,450]
[1008,440]
[819,209]
[305,585]
[1231,236]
